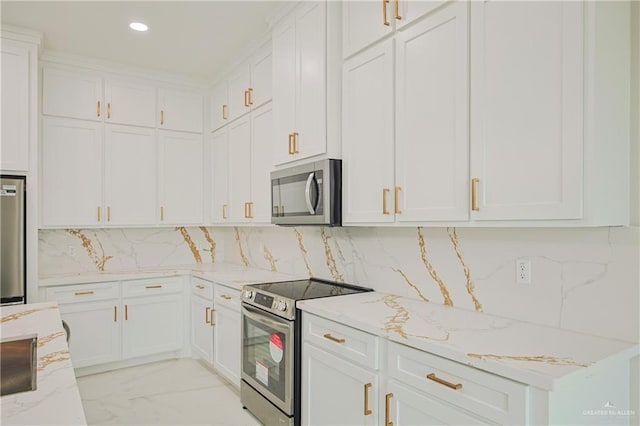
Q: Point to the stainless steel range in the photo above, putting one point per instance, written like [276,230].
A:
[272,344]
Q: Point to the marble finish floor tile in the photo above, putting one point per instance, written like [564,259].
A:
[174,392]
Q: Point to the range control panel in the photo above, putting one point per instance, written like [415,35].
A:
[277,305]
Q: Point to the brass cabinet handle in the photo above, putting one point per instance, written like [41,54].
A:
[385,21]
[161,213]
[126,312]
[161,117]
[206,315]
[115,314]
[201,287]
[211,317]
[109,110]
[246,98]
[250,210]
[98,213]
[387,399]
[246,215]
[334,339]
[396,200]
[250,90]
[83,293]
[290,143]
[108,213]
[367,410]
[98,108]
[474,194]
[397,7]
[385,191]
[224,296]
[295,143]
[224,112]
[454,386]
[224,211]
[154,286]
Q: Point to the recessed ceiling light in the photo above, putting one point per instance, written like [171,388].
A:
[138,26]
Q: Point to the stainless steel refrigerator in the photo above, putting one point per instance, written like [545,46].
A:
[12,239]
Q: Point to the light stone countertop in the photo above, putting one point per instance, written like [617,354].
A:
[56,399]
[228,274]
[537,355]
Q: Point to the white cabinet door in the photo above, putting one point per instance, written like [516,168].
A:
[180,110]
[363,23]
[201,328]
[238,83]
[152,325]
[240,169]
[409,408]
[72,94]
[219,105]
[527,109]
[71,168]
[14,141]
[130,175]
[94,331]
[310,126]
[227,344]
[336,392]
[130,103]
[261,76]
[180,182]
[367,132]
[284,89]
[220,176]
[261,151]
[405,12]
[432,108]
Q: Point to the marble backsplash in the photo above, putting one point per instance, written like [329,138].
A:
[584,280]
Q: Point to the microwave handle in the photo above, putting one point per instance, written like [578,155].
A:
[307,193]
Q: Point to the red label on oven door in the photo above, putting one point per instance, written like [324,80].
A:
[276,347]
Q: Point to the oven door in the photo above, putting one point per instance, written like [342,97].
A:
[267,356]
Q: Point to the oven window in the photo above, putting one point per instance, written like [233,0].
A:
[264,357]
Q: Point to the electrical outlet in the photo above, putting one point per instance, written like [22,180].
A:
[523,271]
[71,251]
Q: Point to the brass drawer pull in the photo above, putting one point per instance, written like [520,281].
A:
[334,339]
[115,314]
[126,312]
[224,112]
[201,287]
[154,286]
[211,317]
[385,191]
[396,200]
[83,293]
[367,410]
[161,117]
[387,399]
[224,296]
[206,315]
[437,379]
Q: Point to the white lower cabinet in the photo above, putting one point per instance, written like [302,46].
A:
[201,319]
[227,337]
[115,321]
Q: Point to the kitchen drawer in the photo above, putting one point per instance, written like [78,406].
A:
[83,292]
[150,287]
[202,288]
[225,296]
[485,394]
[344,341]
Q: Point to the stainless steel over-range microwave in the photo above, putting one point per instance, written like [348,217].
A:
[309,194]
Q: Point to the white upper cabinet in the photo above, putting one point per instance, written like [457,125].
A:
[180,181]
[527,110]
[261,160]
[406,149]
[180,110]
[71,172]
[299,83]
[239,83]
[432,110]
[364,22]
[219,174]
[14,142]
[130,103]
[219,106]
[368,151]
[72,94]
[240,170]
[260,91]
[130,175]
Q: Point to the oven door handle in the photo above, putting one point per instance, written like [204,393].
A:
[261,317]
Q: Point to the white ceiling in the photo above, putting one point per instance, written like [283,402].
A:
[194,39]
